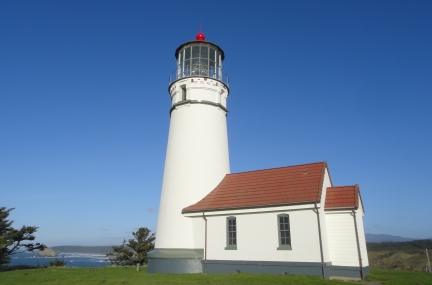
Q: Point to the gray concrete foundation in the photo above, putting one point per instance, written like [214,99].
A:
[263,267]
[175,260]
[270,267]
[347,271]
[174,266]
[187,261]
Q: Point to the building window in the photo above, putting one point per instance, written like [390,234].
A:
[284,232]
[231,233]
[183,92]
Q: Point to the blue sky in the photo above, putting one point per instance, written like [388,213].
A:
[84,107]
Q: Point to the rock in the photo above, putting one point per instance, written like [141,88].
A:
[47,252]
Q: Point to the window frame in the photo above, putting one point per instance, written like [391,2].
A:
[228,245]
[283,246]
[183,95]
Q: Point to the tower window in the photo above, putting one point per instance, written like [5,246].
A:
[284,232]
[231,233]
[183,92]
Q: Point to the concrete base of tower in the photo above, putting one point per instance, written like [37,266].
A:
[175,260]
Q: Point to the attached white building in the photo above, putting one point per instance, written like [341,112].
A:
[284,220]
[288,220]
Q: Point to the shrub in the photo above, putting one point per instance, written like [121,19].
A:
[57,263]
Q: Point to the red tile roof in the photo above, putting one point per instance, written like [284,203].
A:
[264,188]
[342,197]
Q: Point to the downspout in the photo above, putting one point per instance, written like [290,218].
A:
[358,245]
[320,241]
[205,244]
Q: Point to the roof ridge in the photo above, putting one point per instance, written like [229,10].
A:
[272,168]
[342,186]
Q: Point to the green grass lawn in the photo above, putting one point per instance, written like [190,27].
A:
[397,277]
[120,275]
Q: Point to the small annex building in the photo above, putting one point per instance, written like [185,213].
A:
[287,220]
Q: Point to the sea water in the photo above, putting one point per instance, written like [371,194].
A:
[71,259]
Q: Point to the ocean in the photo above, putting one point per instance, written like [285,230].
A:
[71,259]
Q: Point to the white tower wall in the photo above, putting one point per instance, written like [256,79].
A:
[197,154]
[197,157]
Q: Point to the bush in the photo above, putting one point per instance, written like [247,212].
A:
[57,263]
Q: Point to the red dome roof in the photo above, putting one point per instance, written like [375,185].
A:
[200,36]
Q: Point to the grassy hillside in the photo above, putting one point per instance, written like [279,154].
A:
[407,245]
[408,255]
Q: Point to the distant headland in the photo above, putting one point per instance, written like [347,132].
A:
[52,251]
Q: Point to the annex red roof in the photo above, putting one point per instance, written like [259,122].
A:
[342,197]
[264,188]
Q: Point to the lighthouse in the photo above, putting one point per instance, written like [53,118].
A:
[283,220]
[197,157]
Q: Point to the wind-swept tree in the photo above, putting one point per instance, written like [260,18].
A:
[11,240]
[135,251]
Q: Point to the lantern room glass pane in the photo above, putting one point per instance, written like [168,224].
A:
[187,52]
[204,52]
[195,51]
[196,61]
[212,54]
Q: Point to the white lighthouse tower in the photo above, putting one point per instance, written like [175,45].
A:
[197,156]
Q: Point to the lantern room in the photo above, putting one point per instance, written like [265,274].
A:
[199,58]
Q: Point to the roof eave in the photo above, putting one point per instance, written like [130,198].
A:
[341,208]
[249,207]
